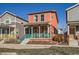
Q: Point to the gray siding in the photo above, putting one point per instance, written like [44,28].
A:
[3,18]
[20,29]
[73,14]
[19,23]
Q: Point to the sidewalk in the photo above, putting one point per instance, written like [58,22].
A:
[27,46]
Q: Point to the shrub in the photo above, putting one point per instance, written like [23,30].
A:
[58,38]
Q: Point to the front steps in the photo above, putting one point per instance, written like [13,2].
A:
[26,40]
[72,41]
[36,41]
[1,41]
[40,41]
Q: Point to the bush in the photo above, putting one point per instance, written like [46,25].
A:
[58,38]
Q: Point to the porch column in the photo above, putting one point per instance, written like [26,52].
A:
[39,31]
[9,32]
[48,30]
[1,33]
[14,32]
[29,30]
[6,34]
[24,30]
[32,31]
[68,29]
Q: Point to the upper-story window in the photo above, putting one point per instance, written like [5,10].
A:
[7,21]
[42,17]
[35,18]
[52,17]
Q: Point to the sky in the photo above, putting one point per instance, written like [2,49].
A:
[22,9]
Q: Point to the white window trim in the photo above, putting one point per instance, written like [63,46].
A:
[9,21]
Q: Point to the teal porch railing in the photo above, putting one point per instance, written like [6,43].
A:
[36,35]
[25,36]
[41,35]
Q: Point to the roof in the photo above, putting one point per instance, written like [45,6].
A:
[72,7]
[12,15]
[52,11]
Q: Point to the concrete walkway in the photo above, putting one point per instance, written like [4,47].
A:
[27,46]
[8,53]
[30,46]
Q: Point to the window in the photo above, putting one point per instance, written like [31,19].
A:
[26,30]
[35,18]
[72,30]
[42,17]
[77,28]
[7,21]
[52,17]
[22,23]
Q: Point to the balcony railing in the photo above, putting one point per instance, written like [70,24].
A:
[41,35]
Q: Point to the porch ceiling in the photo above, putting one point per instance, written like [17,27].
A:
[5,26]
[73,22]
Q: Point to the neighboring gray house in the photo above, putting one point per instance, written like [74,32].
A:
[72,14]
[11,26]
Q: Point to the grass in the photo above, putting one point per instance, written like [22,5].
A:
[47,51]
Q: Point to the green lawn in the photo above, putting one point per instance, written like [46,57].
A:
[50,51]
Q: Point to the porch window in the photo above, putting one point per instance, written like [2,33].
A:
[77,28]
[35,18]
[43,29]
[72,30]
[42,17]
[26,30]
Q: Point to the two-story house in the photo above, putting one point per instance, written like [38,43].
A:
[72,14]
[11,27]
[41,25]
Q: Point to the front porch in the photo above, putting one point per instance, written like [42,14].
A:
[7,32]
[38,31]
[73,31]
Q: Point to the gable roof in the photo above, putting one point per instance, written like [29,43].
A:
[72,7]
[7,12]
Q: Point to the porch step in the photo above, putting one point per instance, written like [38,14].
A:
[26,40]
[71,37]
[2,41]
[73,43]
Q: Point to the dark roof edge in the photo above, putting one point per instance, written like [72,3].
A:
[41,12]
[72,7]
